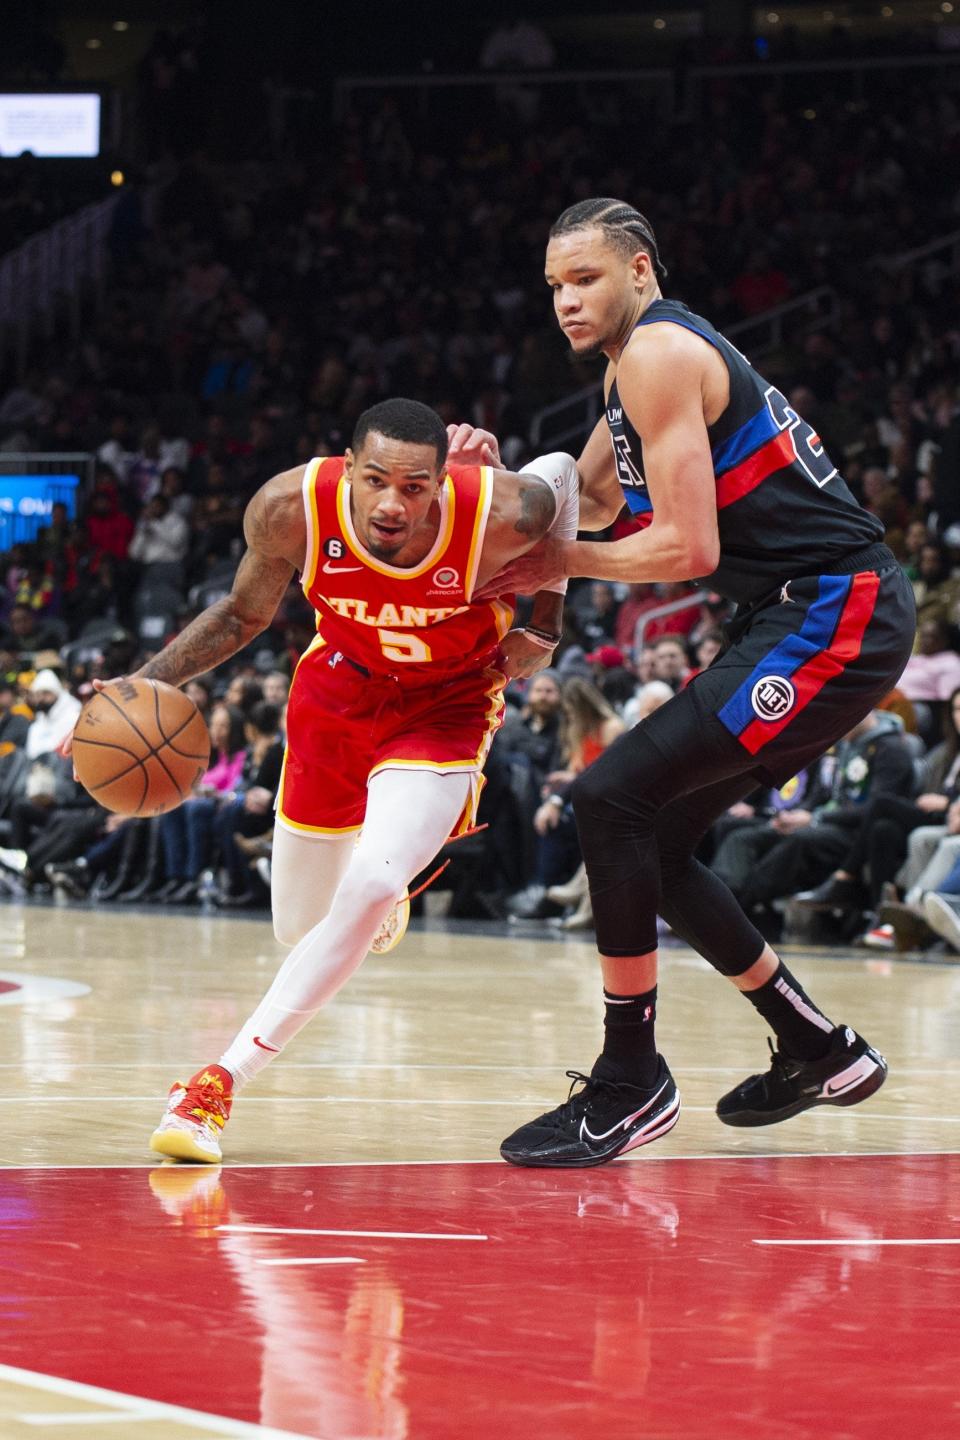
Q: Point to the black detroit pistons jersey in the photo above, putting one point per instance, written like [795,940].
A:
[783,509]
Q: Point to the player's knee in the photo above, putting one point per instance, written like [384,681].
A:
[588,795]
[290,929]
[371,890]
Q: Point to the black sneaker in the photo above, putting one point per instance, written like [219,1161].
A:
[850,1071]
[603,1119]
[70,876]
[832,894]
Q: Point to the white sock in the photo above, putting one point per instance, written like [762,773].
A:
[410,814]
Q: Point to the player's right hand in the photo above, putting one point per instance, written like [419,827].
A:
[65,748]
[468,445]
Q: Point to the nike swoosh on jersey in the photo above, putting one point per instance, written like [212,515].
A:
[329,569]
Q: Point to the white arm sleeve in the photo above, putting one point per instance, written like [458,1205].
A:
[559,471]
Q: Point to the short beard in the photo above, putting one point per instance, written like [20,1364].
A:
[592,352]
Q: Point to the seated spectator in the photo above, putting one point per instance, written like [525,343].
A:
[13,723]
[186,833]
[595,608]
[941,908]
[878,848]
[670,662]
[646,699]
[243,693]
[55,713]
[800,846]
[589,726]
[604,659]
[933,672]
[536,733]
[40,785]
[937,589]
[108,526]
[276,687]
[29,631]
[173,489]
[250,814]
[706,650]
[161,535]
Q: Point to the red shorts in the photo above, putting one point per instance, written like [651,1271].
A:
[344,725]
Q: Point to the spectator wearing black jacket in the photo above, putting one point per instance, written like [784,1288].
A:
[801,846]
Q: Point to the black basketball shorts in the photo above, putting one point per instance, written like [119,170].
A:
[803,668]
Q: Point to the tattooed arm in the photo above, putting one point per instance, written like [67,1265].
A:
[522,512]
[274,528]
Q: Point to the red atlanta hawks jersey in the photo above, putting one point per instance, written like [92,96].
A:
[389,619]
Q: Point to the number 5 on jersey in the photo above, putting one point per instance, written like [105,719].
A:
[408,649]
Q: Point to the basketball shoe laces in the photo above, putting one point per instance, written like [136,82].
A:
[595,1091]
[205,1100]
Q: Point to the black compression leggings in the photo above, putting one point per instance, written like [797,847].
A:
[641,811]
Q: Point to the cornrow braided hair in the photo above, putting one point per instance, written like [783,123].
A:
[625,228]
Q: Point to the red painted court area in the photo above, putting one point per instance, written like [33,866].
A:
[630,1301]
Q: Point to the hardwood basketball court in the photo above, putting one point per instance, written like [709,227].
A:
[364,1265]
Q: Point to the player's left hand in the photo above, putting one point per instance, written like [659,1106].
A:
[543,565]
[520,657]
[468,445]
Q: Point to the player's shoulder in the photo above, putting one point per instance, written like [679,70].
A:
[664,353]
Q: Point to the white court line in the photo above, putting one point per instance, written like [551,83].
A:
[863,1240]
[138,1408]
[357,1234]
[315,1260]
[645,1159]
[272,1100]
[453,1067]
[408,1100]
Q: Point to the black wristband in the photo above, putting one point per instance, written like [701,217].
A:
[550,635]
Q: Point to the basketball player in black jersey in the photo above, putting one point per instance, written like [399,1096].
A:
[732,486]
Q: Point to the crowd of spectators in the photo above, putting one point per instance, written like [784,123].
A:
[254,309]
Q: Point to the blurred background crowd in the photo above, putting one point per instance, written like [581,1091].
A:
[285,252]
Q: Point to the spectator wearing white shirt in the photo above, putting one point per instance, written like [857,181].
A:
[161,535]
[55,713]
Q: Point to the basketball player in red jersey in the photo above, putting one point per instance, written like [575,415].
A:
[392,707]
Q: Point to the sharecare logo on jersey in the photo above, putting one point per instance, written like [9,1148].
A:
[446,577]
[772,697]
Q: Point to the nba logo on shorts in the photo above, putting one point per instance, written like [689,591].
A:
[772,697]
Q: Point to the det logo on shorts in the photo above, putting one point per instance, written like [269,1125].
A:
[772,697]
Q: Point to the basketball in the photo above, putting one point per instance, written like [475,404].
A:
[139,747]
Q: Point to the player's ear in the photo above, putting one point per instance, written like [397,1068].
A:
[349,460]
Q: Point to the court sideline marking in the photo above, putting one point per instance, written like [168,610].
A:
[121,1406]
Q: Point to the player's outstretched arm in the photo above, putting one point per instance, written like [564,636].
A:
[275,531]
[660,380]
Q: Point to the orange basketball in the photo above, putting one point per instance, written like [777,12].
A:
[139,747]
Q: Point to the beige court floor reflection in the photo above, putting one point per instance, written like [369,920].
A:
[433,1052]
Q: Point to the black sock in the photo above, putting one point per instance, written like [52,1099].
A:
[804,1030]
[629,1046]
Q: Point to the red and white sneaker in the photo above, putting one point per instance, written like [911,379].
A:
[881,937]
[195,1115]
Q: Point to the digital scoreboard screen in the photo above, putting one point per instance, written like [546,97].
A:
[50,126]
